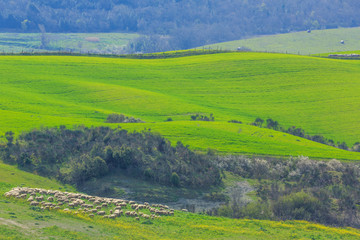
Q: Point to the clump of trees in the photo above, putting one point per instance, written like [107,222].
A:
[235,121]
[76,155]
[271,124]
[198,117]
[121,118]
[296,188]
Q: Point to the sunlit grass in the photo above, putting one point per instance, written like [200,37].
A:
[318,95]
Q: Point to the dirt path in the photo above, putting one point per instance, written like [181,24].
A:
[11,222]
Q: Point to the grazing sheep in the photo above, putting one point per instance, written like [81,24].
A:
[34,203]
[101,213]
[39,198]
[117,212]
[75,200]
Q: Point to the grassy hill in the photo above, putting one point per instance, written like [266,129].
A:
[316,42]
[20,221]
[69,42]
[319,95]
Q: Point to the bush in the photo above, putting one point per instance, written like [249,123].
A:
[299,206]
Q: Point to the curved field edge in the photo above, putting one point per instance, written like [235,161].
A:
[19,221]
[319,95]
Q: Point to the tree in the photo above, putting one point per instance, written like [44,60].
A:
[10,138]
[343,145]
[258,122]
[175,180]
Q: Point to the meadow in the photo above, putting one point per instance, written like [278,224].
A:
[65,42]
[20,221]
[316,94]
[304,43]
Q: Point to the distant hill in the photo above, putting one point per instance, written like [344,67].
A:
[188,23]
[304,43]
[318,95]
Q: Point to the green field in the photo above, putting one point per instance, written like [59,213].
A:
[316,42]
[20,221]
[319,95]
[67,42]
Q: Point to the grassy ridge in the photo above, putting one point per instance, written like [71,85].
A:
[316,42]
[19,221]
[319,95]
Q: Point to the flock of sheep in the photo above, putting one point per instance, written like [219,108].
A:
[90,205]
[352,55]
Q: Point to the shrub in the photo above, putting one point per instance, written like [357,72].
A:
[299,206]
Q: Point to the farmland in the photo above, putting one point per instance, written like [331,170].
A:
[316,42]
[318,95]
[65,42]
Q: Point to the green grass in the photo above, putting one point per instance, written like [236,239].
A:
[74,42]
[20,221]
[11,176]
[319,95]
[316,42]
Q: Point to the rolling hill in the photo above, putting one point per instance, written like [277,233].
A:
[18,220]
[316,42]
[318,95]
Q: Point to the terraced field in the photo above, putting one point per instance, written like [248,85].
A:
[319,95]
[18,220]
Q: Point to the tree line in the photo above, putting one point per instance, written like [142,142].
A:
[297,131]
[178,24]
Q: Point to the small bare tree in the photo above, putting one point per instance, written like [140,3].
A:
[44,38]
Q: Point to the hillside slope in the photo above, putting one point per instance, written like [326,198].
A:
[18,220]
[318,95]
[316,42]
